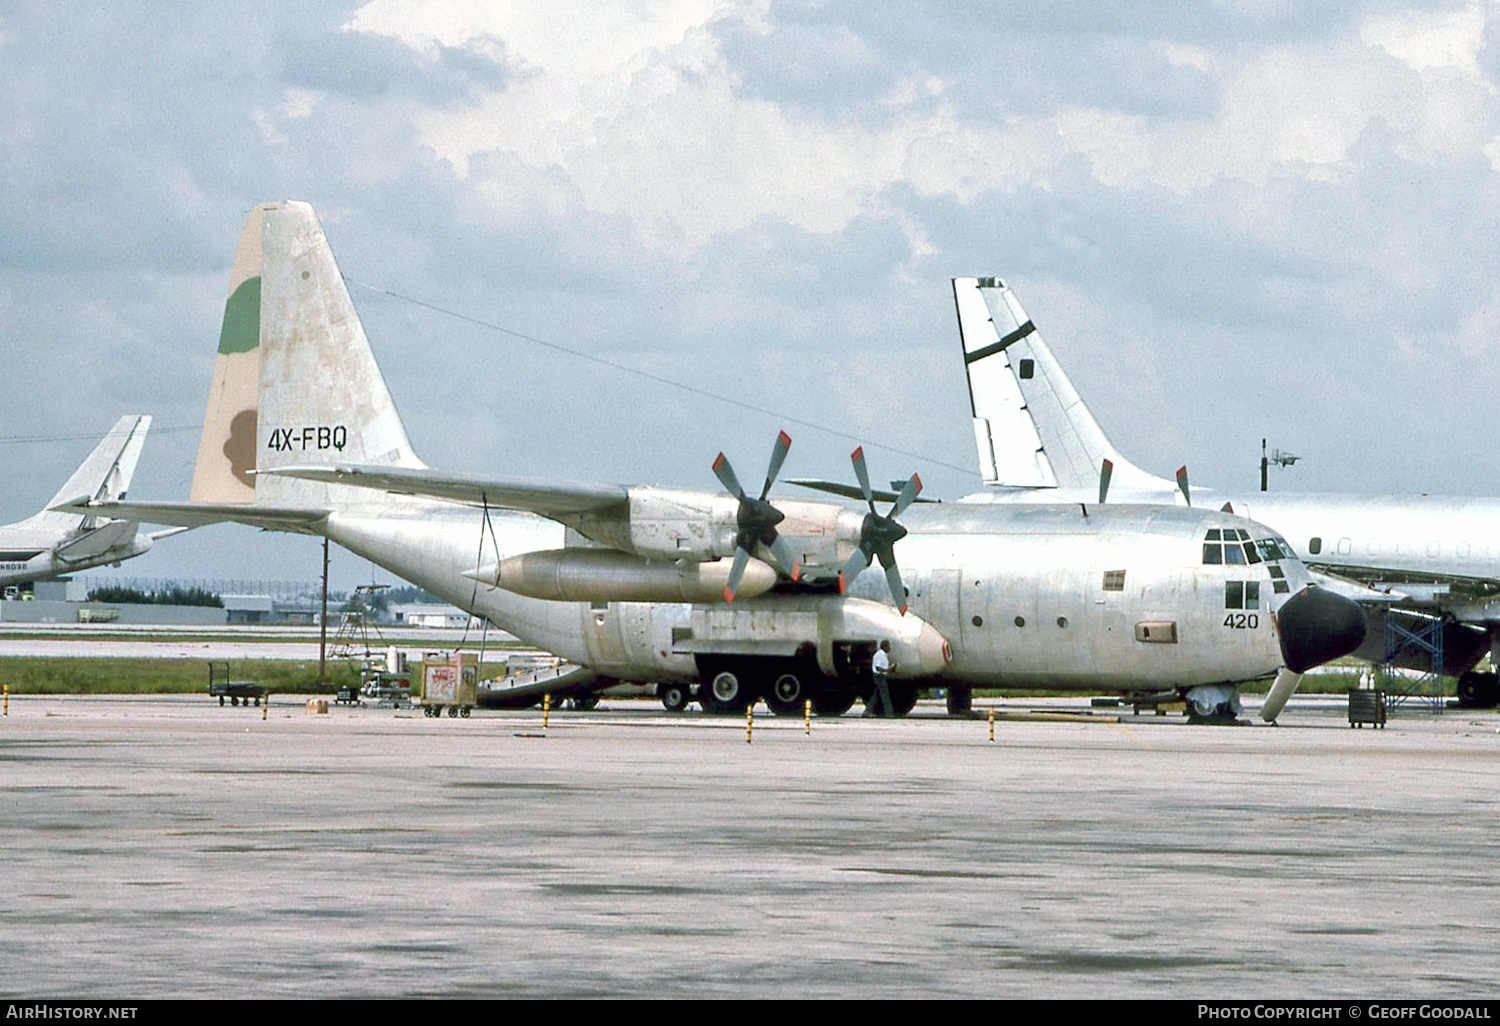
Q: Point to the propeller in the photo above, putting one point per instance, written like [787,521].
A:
[755,521]
[878,534]
[1182,484]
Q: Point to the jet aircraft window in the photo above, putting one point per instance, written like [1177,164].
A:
[1114,580]
[1315,546]
[1028,369]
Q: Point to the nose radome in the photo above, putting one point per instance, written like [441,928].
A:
[1317,627]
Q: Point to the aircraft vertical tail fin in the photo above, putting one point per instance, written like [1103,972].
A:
[295,381]
[1031,428]
[103,476]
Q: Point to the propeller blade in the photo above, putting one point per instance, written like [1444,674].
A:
[863,473]
[909,493]
[736,572]
[1286,683]
[1182,484]
[783,553]
[725,473]
[778,457]
[893,581]
[1106,471]
[852,569]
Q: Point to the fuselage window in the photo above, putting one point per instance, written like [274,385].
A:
[1315,546]
[1028,369]
[1114,580]
[1241,594]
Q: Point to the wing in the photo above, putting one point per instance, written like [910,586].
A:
[554,499]
[200,514]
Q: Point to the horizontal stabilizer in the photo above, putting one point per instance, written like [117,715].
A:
[200,514]
[95,543]
[548,498]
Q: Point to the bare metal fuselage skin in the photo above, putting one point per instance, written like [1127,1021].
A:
[1017,593]
[1441,552]
[27,555]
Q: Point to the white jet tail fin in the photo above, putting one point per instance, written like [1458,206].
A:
[103,476]
[295,381]
[1030,427]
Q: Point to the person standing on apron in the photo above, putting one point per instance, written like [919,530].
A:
[880,670]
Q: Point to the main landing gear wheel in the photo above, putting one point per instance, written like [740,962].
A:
[727,693]
[960,701]
[1478,690]
[674,697]
[788,695]
[903,698]
[832,703]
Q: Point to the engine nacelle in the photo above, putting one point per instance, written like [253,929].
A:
[608,575]
[673,524]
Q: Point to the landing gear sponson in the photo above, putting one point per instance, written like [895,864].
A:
[786,685]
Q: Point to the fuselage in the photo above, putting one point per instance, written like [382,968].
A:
[1450,543]
[1088,597]
[33,554]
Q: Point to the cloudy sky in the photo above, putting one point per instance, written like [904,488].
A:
[1231,219]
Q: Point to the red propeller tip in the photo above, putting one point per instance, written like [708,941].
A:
[841,582]
[728,596]
[796,572]
[784,438]
[719,462]
[903,610]
[858,454]
[918,479]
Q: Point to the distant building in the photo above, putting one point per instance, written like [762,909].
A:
[432,614]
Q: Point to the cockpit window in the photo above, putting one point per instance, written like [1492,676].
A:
[1232,546]
[1241,594]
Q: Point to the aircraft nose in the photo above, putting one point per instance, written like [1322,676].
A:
[1318,626]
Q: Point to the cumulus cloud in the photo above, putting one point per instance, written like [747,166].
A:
[1227,217]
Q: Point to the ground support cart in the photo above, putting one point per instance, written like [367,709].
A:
[237,691]
[450,680]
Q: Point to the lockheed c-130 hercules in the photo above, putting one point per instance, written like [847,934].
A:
[727,596]
[1419,564]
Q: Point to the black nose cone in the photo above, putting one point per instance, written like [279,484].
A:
[1318,626]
